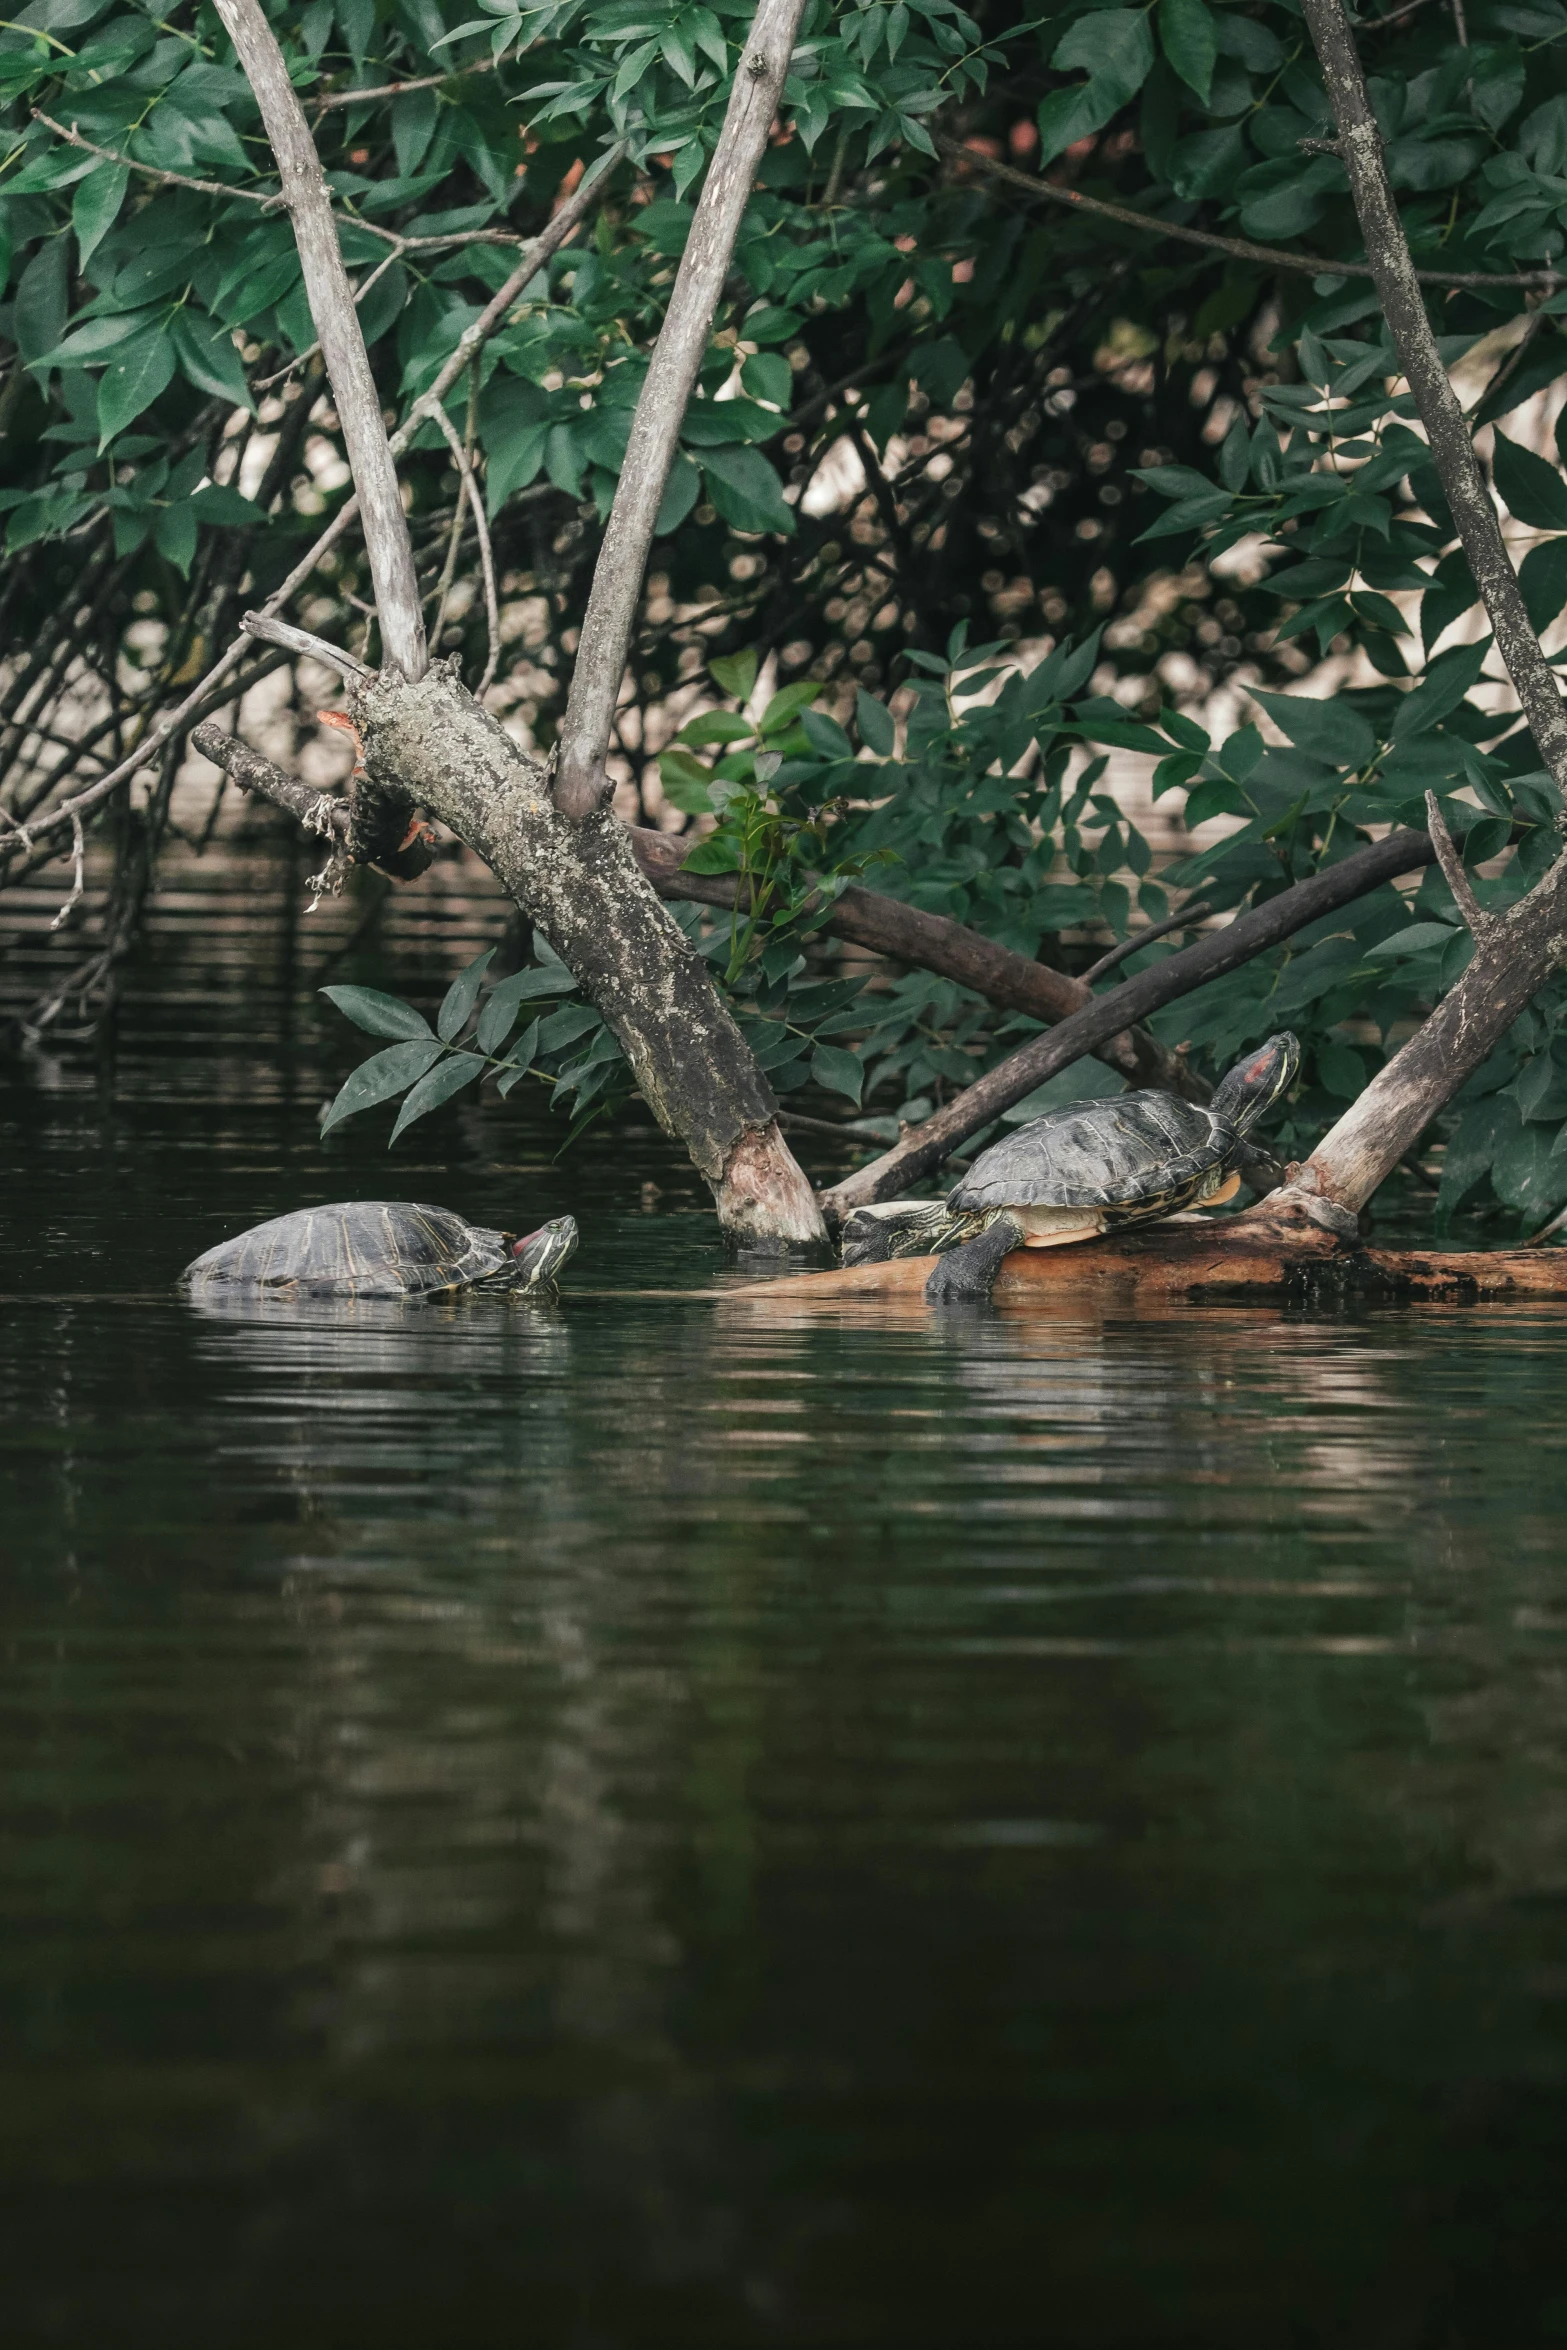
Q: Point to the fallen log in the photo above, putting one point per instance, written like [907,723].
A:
[1269,1252]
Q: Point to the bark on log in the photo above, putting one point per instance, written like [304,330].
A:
[1250,1257]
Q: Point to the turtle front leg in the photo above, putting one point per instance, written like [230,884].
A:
[969,1272]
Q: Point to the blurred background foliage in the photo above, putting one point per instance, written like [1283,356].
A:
[992,511]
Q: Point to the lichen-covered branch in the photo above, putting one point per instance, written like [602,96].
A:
[1516,953]
[1359,146]
[331,299]
[580,784]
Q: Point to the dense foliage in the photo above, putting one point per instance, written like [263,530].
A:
[941,404]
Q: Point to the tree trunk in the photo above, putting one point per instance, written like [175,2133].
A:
[579,882]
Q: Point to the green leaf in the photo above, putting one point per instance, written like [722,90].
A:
[718,853]
[1542,575]
[1413,939]
[96,206]
[1114,45]
[941,369]
[825,736]
[520,1059]
[1486,1127]
[786,705]
[746,491]
[1341,1069]
[445,1079]
[175,536]
[376,1013]
[565,1026]
[42,300]
[838,1071]
[681,492]
[377,1079]
[1533,490]
[875,722]
[219,503]
[1186,35]
[458,1002]
[1528,1175]
[504,1000]
[1327,730]
[132,382]
[714,424]
[768,376]
[208,358]
[685,782]
[736,672]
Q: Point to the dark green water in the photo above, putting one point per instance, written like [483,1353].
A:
[652,1824]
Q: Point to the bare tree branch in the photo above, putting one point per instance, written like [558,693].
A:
[1452,865]
[906,934]
[1452,451]
[1238,248]
[331,299]
[1516,953]
[470,487]
[1250,934]
[1186,919]
[580,783]
[427,81]
[300,640]
[274,200]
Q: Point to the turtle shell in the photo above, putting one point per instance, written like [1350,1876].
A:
[1140,1154]
[355,1248]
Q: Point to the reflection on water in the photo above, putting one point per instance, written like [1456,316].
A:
[669,1820]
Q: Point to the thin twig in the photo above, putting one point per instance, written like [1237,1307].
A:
[429,81]
[300,640]
[1238,248]
[443,588]
[1547,1231]
[1143,938]
[1452,864]
[78,875]
[267,381]
[492,613]
[471,340]
[277,200]
[156,171]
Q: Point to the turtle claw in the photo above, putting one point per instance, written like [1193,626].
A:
[967,1275]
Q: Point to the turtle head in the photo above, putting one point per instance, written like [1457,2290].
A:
[540,1255]
[1251,1088]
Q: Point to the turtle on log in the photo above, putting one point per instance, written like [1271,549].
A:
[381,1248]
[1086,1168]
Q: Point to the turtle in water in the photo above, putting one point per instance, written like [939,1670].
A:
[1083,1169]
[382,1248]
